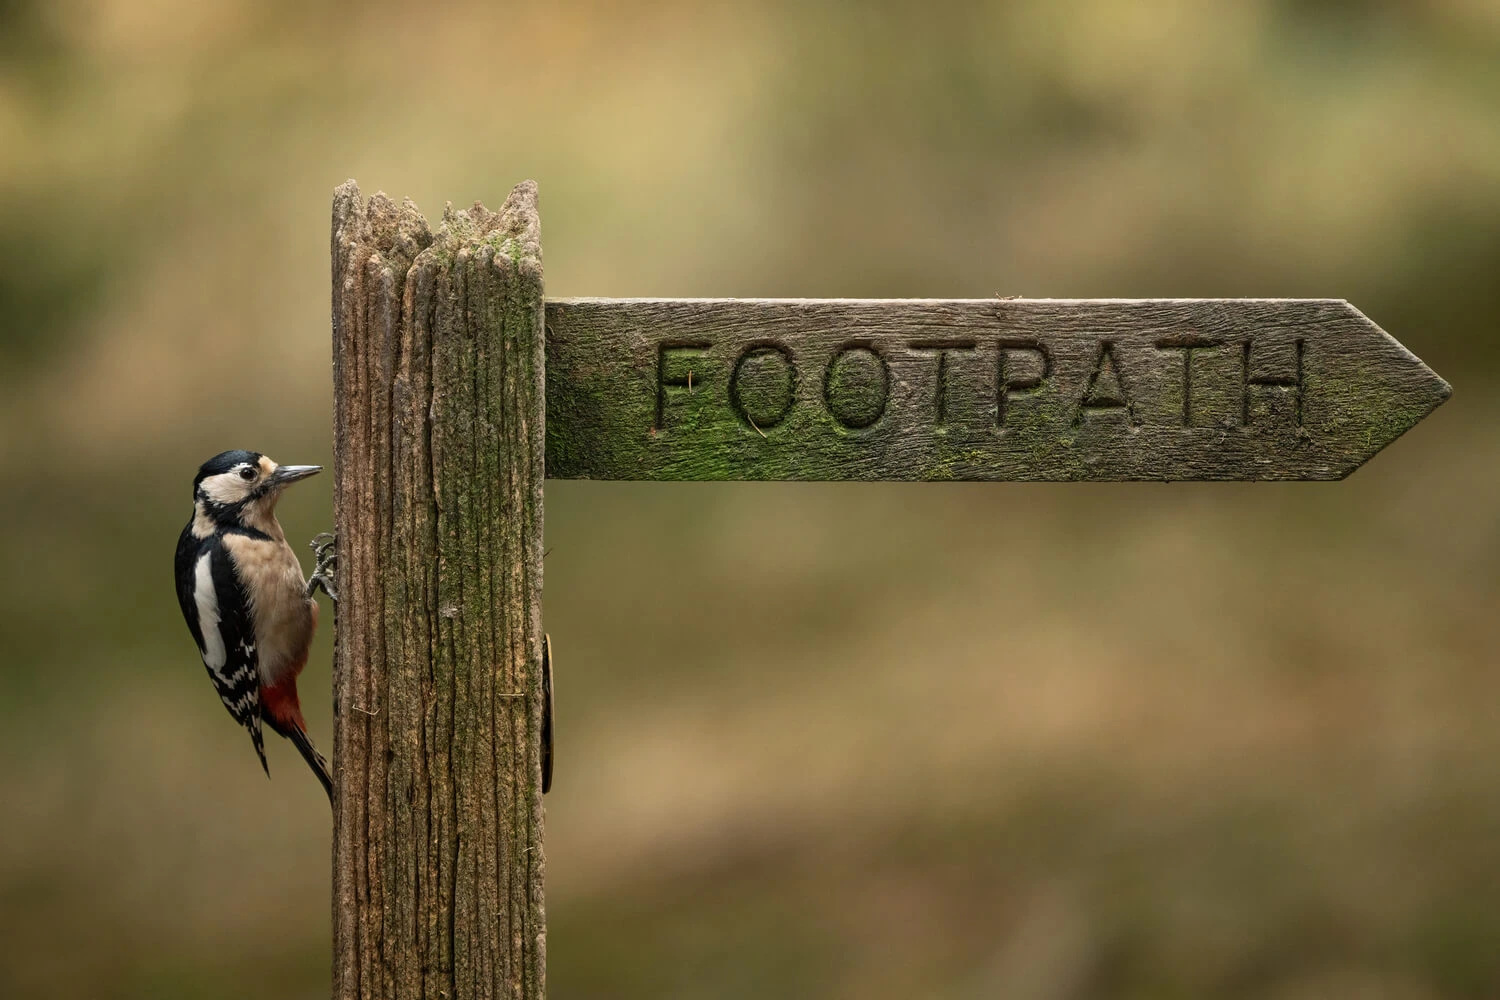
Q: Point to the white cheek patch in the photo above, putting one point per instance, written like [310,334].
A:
[226,488]
[207,600]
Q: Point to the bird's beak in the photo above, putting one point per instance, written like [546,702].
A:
[285,474]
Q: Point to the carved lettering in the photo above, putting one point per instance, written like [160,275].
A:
[1187,345]
[940,393]
[857,385]
[766,374]
[664,353]
[1007,385]
[1296,382]
[1106,388]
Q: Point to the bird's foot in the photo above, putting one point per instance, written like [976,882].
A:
[324,546]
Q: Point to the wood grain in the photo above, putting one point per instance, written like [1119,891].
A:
[993,389]
[438,465]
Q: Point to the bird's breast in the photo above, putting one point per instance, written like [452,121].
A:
[284,618]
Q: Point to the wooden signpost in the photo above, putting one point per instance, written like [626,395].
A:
[458,389]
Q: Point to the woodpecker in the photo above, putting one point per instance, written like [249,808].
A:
[245,600]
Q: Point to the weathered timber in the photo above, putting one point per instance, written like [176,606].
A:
[438,465]
[992,389]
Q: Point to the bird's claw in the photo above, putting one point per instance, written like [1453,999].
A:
[323,544]
[325,551]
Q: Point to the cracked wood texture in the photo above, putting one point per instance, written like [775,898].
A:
[993,389]
[438,466]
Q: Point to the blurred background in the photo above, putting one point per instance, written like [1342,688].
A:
[815,740]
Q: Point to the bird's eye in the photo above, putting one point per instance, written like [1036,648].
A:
[247,473]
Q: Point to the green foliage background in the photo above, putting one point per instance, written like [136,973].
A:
[816,740]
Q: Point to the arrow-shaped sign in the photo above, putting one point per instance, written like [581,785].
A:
[974,389]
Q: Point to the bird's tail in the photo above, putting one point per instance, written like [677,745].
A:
[315,760]
[279,707]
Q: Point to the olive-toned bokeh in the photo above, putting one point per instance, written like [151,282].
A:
[815,740]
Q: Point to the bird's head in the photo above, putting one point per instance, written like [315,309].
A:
[242,487]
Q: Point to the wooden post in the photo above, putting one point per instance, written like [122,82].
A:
[438,468]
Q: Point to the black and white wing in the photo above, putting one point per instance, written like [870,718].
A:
[218,614]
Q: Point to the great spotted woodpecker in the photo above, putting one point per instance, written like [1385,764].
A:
[244,597]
